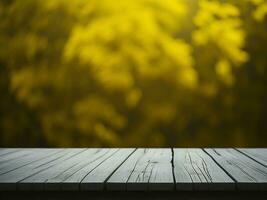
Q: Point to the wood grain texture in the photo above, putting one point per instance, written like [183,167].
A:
[4,151]
[95,180]
[12,155]
[195,170]
[22,158]
[145,169]
[249,174]
[91,167]
[129,169]
[71,181]
[260,155]
[51,178]
[14,177]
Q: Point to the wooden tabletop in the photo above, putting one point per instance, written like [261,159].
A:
[130,169]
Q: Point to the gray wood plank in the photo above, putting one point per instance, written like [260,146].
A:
[52,178]
[71,178]
[32,156]
[249,174]
[195,170]
[130,169]
[10,180]
[6,151]
[72,182]
[145,169]
[95,180]
[258,154]
[4,159]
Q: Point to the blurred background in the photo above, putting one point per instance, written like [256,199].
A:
[131,73]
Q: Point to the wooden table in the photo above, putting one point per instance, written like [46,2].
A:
[129,173]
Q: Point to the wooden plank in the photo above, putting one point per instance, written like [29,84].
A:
[73,181]
[70,179]
[6,151]
[10,180]
[95,180]
[31,156]
[52,178]
[195,170]
[4,159]
[127,169]
[260,155]
[249,174]
[145,169]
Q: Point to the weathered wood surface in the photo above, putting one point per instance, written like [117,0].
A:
[259,155]
[95,179]
[195,170]
[248,174]
[146,169]
[129,169]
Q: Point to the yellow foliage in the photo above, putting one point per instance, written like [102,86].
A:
[218,24]
[130,37]
[131,72]
[216,20]
[223,69]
